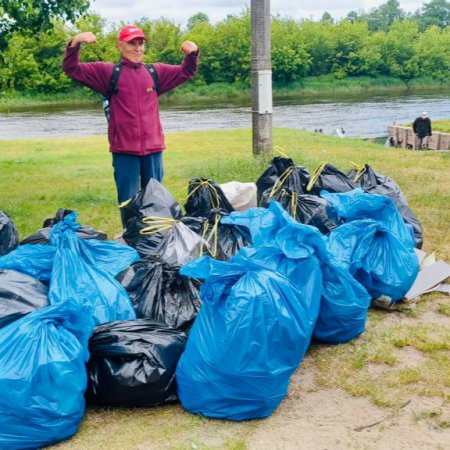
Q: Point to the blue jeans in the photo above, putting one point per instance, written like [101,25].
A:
[132,172]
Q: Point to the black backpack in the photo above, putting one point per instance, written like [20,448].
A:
[113,88]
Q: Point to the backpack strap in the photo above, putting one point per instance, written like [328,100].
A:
[114,80]
[154,74]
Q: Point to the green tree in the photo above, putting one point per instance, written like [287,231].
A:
[194,20]
[432,56]
[327,17]
[319,40]
[383,17]
[33,63]
[37,15]
[398,50]
[349,41]
[435,12]
[290,60]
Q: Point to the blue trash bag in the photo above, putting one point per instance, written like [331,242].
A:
[34,260]
[343,308]
[289,248]
[76,275]
[37,260]
[357,204]
[382,263]
[43,376]
[248,338]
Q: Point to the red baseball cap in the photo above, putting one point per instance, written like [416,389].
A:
[129,33]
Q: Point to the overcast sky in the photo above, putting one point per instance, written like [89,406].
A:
[180,10]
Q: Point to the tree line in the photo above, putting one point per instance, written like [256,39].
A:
[383,42]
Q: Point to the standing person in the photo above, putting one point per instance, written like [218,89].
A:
[422,129]
[135,135]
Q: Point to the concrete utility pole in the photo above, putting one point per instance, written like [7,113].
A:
[261,77]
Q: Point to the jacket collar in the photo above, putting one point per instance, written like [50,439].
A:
[127,62]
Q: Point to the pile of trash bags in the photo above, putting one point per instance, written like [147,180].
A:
[296,181]
[214,307]
[75,300]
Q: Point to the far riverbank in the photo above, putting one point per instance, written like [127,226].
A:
[191,93]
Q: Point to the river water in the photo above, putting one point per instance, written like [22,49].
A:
[362,116]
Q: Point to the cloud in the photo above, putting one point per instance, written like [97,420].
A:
[179,11]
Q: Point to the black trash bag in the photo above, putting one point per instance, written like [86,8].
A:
[9,236]
[153,201]
[269,177]
[329,178]
[296,179]
[133,363]
[20,294]
[166,238]
[309,209]
[160,293]
[42,235]
[223,240]
[375,183]
[204,196]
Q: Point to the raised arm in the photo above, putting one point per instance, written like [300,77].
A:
[171,76]
[94,75]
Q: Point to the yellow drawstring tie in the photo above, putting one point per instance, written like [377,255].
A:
[212,235]
[212,188]
[281,151]
[280,181]
[125,203]
[157,224]
[316,175]
[360,169]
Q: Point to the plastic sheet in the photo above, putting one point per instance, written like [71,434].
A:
[20,294]
[160,293]
[241,196]
[43,385]
[9,236]
[250,335]
[133,363]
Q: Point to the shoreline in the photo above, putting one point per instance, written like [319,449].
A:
[317,87]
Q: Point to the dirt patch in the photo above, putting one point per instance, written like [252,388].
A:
[409,358]
[430,317]
[329,418]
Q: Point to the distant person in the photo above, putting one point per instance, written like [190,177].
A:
[422,129]
[339,132]
[135,135]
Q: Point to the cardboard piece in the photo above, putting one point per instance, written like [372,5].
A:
[444,288]
[428,278]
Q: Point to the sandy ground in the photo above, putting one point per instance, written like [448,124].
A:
[314,418]
[329,419]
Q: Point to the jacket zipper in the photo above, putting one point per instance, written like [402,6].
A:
[137,71]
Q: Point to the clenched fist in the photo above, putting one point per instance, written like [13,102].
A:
[84,38]
[189,47]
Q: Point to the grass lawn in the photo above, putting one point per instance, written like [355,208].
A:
[39,176]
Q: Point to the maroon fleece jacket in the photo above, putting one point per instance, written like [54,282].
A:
[135,126]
